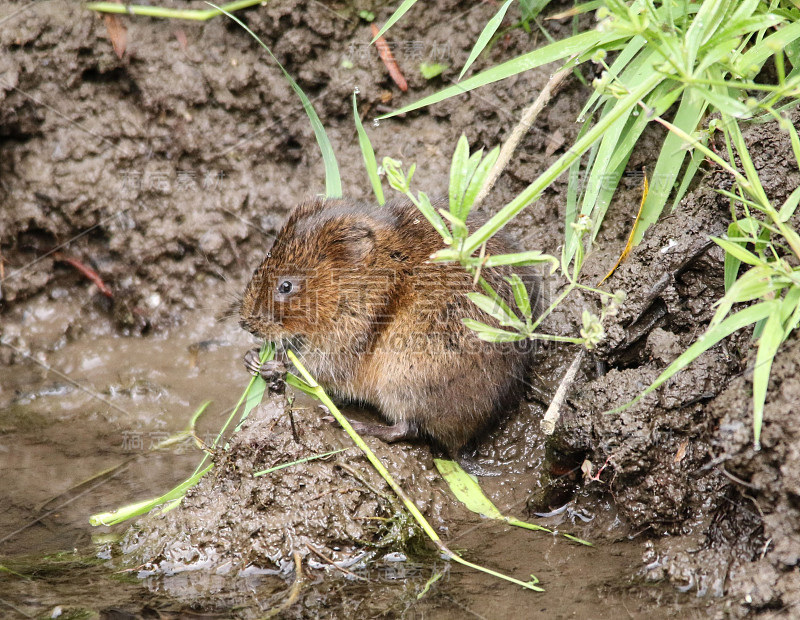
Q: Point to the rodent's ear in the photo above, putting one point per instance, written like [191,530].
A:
[358,239]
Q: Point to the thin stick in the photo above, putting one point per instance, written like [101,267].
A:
[525,123]
[328,560]
[548,423]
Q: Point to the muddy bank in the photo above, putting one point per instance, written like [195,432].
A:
[681,462]
[337,508]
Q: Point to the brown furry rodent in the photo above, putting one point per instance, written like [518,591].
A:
[349,288]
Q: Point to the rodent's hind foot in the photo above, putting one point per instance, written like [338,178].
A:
[470,465]
[273,371]
[388,433]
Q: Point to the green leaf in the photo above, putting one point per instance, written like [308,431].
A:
[401,10]
[690,112]
[712,336]
[521,295]
[479,178]
[430,70]
[254,397]
[753,284]
[724,103]
[458,226]
[426,208]
[333,182]
[790,205]
[370,163]
[458,172]
[755,57]
[736,249]
[472,167]
[467,490]
[532,257]
[768,344]
[542,56]
[705,22]
[731,262]
[493,309]
[488,32]
[491,334]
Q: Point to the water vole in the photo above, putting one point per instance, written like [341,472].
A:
[349,288]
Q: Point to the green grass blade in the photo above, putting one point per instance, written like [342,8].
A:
[401,10]
[735,249]
[493,309]
[688,176]
[333,182]
[140,508]
[733,323]
[691,111]
[458,172]
[254,397]
[370,163]
[703,25]
[790,205]
[307,459]
[556,51]
[732,263]
[521,295]
[488,32]
[768,344]
[574,191]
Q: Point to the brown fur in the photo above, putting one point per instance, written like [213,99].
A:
[374,322]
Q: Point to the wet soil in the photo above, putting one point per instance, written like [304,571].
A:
[168,171]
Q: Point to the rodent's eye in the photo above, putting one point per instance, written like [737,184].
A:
[285,287]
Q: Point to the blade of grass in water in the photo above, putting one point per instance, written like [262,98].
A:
[469,493]
[333,182]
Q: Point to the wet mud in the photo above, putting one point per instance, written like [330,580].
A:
[169,170]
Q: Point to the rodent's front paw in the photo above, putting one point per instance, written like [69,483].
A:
[252,361]
[273,371]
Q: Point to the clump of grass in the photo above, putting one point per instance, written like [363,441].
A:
[696,58]
[771,281]
[702,56]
